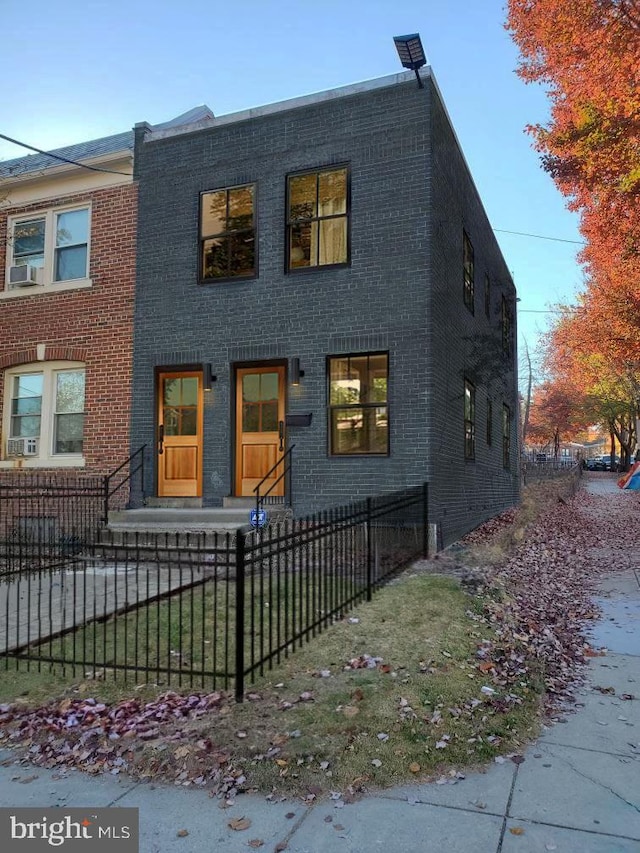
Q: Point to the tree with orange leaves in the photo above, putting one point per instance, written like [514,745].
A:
[587,52]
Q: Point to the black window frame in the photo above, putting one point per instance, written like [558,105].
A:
[468,272]
[469,420]
[506,437]
[506,322]
[317,171]
[370,405]
[228,234]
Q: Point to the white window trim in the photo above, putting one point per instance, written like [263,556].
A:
[47,285]
[45,458]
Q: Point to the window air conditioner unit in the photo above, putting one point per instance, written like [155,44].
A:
[23,276]
[22,446]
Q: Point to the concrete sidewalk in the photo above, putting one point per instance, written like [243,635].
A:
[577,791]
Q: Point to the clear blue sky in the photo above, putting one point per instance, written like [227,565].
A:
[82,69]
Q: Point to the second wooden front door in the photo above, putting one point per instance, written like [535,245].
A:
[180,434]
[260,439]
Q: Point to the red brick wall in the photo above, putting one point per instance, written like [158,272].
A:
[93,325]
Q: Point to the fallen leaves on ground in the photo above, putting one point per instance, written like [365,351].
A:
[529,617]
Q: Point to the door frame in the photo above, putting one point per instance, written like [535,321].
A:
[233,419]
[158,370]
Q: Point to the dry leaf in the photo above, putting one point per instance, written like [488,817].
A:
[239,823]
[255,843]
[182,833]
[281,762]
[357,695]
[350,710]
[414,767]
[516,830]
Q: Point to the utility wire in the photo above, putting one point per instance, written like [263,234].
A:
[63,159]
[541,237]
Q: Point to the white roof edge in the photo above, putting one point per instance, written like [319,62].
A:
[290,104]
[61,168]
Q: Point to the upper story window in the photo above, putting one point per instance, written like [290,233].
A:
[489,422]
[318,218]
[358,404]
[487,296]
[468,271]
[227,233]
[506,327]
[469,420]
[44,411]
[49,248]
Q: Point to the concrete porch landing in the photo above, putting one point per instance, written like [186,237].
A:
[161,519]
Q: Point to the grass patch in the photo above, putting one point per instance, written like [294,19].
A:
[418,713]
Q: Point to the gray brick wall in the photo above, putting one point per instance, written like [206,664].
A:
[402,288]
[466,345]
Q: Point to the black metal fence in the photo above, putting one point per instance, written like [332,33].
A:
[46,517]
[209,609]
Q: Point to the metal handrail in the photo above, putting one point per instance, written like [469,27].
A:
[286,471]
[109,492]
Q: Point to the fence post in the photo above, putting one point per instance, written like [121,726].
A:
[425,520]
[369,533]
[240,558]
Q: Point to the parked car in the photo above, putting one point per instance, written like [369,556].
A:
[596,463]
[606,461]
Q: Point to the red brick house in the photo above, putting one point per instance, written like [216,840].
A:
[67,278]
[67,284]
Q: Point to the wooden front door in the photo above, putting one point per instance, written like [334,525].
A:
[260,439]
[180,434]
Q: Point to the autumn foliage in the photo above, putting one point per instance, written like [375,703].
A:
[587,54]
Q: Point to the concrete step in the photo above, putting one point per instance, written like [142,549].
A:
[174,503]
[175,518]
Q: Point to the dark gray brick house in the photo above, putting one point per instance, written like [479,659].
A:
[321,273]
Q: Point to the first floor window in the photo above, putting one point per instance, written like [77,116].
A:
[53,246]
[489,422]
[45,410]
[469,420]
[358,404]
[506,436]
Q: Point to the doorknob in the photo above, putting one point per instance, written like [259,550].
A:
[160,439]
[281,434]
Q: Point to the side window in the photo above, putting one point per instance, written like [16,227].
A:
[358,404]
[318,219]
[469,420]
[227,234]
[506,327]
[468,272]
[506,436]
[489,422]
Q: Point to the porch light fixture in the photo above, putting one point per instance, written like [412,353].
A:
[208,377]
[296,373]
[411,53]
